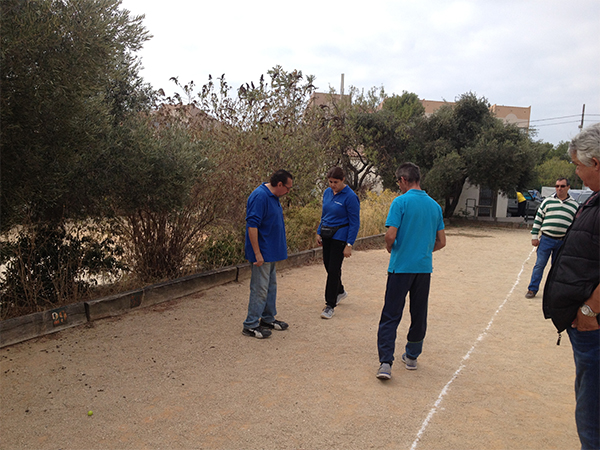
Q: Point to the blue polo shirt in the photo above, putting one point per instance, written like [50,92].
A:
[418,218]
[264,212]
[340,209]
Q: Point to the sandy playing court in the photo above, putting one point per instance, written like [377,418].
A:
[181,375]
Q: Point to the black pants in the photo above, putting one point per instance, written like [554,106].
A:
[333,257]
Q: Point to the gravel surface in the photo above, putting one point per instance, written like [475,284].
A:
[180,375]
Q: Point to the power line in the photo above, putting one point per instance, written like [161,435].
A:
[564,117]
[562,123]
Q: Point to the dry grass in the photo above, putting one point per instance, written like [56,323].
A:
[373,212]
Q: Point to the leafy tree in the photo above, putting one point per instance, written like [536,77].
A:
[552,169]
[560,151]
[69,78]
[460,131]
[265,127]
[67,71]
[500,159]
[176,193]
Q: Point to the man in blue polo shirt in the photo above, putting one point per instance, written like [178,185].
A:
[265,245]
[415,230]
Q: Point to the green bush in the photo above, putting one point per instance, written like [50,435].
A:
[48,266]
[221,248]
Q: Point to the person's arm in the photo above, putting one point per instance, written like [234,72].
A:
[587,323]
[440,240]
[353,212]
[537,224]
[390,238]
[253,236]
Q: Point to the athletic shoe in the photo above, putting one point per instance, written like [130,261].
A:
[530,294]
[384,372]
[327,313]
[411,364]
[257,332]
[275,325]
[341,297]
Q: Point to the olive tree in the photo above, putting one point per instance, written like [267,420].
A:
[69,76]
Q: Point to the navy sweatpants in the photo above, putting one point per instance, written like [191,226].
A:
[398,286]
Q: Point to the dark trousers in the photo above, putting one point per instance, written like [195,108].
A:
[398,285]
[333,257]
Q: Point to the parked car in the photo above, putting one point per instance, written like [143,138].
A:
[581,195]
[533,200]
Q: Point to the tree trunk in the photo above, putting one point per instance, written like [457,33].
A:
[452,201]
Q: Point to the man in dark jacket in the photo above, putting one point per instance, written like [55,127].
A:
[572,291]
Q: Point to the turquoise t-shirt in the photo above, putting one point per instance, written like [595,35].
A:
[418,218]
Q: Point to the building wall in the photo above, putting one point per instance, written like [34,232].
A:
[518,115]
[470,192]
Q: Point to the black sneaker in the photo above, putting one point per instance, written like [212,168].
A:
[258,332]
[275,325]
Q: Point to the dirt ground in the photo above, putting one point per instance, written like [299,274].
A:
[181,375]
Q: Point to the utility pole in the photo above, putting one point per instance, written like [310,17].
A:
[342,88]
[582,114]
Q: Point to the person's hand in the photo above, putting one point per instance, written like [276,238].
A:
[347,251]
[535,242]
[319,241]
[585,323]
[259,260]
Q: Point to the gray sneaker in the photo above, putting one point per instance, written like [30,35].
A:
[341,297]
[411,364]
[384,372]
[327,313]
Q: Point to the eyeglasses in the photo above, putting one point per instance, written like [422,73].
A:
[560,186]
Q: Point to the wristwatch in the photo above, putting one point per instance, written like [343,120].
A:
[587,311]
[349,245]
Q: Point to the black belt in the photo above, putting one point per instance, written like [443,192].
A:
[552,237]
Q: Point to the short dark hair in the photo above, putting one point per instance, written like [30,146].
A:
[410,172]
[563,178]
[280,176]
[336,172]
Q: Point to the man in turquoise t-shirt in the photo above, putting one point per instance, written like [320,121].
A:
[415,230]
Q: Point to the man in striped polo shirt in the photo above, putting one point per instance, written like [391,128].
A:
[553,218]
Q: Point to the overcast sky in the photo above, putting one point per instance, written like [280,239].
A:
[539,53]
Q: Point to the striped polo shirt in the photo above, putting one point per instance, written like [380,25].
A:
[554,216]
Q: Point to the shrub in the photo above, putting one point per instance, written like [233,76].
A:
[46,267]
[373,212]
[221,248]
[301,226]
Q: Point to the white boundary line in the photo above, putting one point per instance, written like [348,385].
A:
[437,403]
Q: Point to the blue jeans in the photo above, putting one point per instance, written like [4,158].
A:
[263,294]
[398,285]
[586,352]
[546,247]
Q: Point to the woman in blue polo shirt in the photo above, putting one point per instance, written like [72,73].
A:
[340,221]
